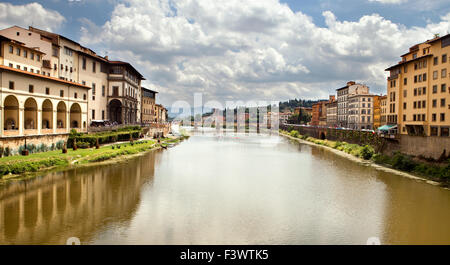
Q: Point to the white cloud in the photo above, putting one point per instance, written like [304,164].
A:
[30,14]
[389,1]
[245,50]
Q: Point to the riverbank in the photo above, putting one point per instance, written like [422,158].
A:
[365,155]
[25,167]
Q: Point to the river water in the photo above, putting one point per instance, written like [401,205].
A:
[226,189]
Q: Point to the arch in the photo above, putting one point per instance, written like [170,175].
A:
[11,113]
[322,136]
[30,107]
[47,114]
[75,116]
[115,111]
[61,115]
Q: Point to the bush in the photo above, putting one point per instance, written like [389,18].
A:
[402,162]
[30,166]
[381,159]
[294,134]
[367,152]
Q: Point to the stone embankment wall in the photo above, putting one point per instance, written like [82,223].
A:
[49,139]
[437,148]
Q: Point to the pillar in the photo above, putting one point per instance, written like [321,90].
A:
[21,120]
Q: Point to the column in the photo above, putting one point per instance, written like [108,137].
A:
[54,120]
[39,120]
[21,121]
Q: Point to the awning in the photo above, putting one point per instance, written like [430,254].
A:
[387,127]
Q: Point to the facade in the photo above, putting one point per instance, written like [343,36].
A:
[33,103]
[284,117]
[360,112]
[148,106]
[383,110]
[343,93]
[115,92]
[332,113]
[376,112]
[418,98]
[161,114]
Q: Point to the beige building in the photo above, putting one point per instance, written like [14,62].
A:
[360,111]
[383,110]
[332,113]
[161,114]
[418,99]
[115,92]
[148,106]
[343,93]
[33,103]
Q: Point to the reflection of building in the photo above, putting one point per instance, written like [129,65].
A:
[418,98]
[34,104]
[78,202]
[148,105]
[342,97]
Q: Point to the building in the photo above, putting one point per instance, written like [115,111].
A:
[32,103]
[148,106]
[418,89]
[360,111]
[284,117]
[319,112]
[342,97]
[161,114]
[115,92]
[383,110]
[376,112]
[332,113]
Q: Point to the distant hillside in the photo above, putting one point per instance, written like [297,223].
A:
[294,103]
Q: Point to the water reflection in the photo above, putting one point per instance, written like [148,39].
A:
[226,189]
[50,209]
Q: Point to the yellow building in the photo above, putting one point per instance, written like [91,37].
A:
[383,110]
[418,98]
[376,112]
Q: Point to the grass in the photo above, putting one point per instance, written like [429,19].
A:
[405,163]
[38,161]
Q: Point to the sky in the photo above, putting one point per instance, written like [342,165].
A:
[235,50]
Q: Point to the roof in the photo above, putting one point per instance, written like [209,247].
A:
[341,88]
[149,90]
[2,67]
[4,38]
[129,65]
[405,62]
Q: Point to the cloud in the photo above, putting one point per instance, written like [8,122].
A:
[389,1]
[30,14]
[242,50]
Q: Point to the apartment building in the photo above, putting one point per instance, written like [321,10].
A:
[360,111]
[332,120]
[148,105]
[383,110]
[376,112]
[33,103]
[319,112]
[161,114]
[343,93]
[115,92]
[418,90]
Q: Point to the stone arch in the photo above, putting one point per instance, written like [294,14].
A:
[75,116]
[115,111]
[31,110]
[47,114]
[61,115]
[11,113]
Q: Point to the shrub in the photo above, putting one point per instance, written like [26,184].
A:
[294,133]
[381,159]
[366,152]
[402,162]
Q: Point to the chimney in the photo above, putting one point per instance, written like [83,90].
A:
[350,83]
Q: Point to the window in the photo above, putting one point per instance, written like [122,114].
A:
[424,77]
[442,102]
[61,93]
[435,75]
[424,90]
[435,61]
[55,67]
[93,114]
[442,116]
[18,51]
[444,58]
[404,117]
[405,93]
[444,131]
[414,55]
[25,53]
[434,103]
[93,89]
[84,63]
[405,81]
[47,91]
[11,85]
[18,67]
[434,89]
[83,82]
[433,117]
[38,57]
[55,51]
[415,104]
[404,105]
[444,73]
[62,67]
[103,90]
[415,91]
[68,51]
[103,115]
[31,70]
[32,56]
[25,68]
[424,104]
[31,88]
[11,49]
[84,96]
[415,79]
[423,117]
[443,88]
[414,117]
[11,65]
[93,67]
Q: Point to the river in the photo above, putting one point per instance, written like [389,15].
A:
[226,189]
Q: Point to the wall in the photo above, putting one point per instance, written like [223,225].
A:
[15,142]
[428,147]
